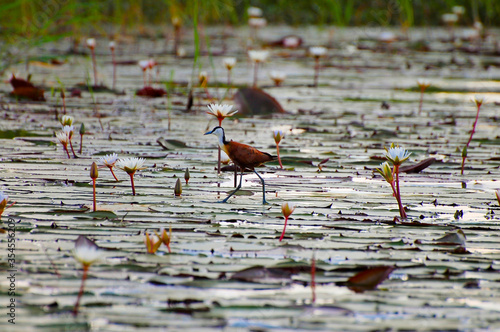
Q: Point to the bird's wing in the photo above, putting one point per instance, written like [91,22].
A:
[246,156]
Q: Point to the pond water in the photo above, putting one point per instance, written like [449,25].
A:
[344,215]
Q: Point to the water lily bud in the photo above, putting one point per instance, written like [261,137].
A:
[178,188]
[464,152]
[82,129]
[278,136]
[287,209]
[187,176]
[94,173]
[66,120]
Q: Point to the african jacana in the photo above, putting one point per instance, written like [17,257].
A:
[243,156]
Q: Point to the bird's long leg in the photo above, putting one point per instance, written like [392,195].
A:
[263,188]
[237,188]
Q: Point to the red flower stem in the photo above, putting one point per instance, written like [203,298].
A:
[278,152]
[95,66]
[209,96]
[114,67]
[144,77]
[111,169]
[284,229]
[82,287]
[316,71]
[66,149]
[81,144]
[219,150]
[421,100]
[72,150]
[402,211]
[470,138]
[255,69]
[313,279]
[132,181]
[93,186]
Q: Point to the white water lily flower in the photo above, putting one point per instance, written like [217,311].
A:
[144,64]
[112,45]
[458,10]
[387,36]
[86,251]
[229,63]
[397,155]
[277,75]
[479,100]
[318,51]
[449,18]
[257,22]
[131,165]
[63,137]
[291,41]
[258,55]
[254,12]
[221,111]
[69,130]
[66,120]
[109,160]
[91,43]
[423,83]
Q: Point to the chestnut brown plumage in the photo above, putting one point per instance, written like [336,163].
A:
[244,156]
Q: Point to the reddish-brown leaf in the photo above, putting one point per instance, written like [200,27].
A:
[28,92]
[254,101]
[369,279]
[151,92]
[20,83]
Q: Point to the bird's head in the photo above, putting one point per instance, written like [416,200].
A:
[217,131]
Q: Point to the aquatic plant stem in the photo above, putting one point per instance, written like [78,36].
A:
[278,153]
[72,150]
[94,201]
[421,100]
[111,169]
[67,151]
[132,182]
[63,97]
[82,288]
[219,152]
[229,80]
[255,73]
[313,279]
[397,193]
[94,65]
[113,59]
[316,71]
[284,229]
[464,156]
[81,144]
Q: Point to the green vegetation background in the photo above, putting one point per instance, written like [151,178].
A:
[47,19]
